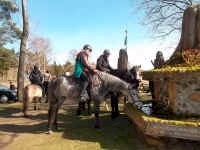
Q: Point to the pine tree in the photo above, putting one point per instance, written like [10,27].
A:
[9,32]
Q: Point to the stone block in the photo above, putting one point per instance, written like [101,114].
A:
[195,96]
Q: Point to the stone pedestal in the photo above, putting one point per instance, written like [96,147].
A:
[156,127]
[177,90]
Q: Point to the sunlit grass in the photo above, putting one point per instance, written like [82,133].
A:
[75,132]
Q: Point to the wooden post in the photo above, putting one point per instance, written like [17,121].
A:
[123,60]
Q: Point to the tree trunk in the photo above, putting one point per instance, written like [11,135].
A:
[123,60]
[190,35]
[24,37]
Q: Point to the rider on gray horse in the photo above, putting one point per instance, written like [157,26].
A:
[103,65]
[103,62]
[83,68]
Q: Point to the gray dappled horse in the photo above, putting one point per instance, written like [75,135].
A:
[63,88]
[128,76]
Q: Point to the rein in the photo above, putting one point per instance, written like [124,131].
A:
[98,74]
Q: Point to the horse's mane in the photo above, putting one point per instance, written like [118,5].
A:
[108,78]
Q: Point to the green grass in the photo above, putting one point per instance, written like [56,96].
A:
[75,133]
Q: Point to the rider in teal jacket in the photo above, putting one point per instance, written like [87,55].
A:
[83,68]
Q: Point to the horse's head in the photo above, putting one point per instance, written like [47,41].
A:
[133,96]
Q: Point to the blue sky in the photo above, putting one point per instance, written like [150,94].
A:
[101,23]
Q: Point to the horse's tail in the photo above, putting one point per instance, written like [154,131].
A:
[25,101]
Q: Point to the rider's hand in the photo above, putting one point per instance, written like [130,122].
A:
[95,70]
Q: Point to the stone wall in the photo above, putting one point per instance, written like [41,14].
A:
[180,93]
[186,102]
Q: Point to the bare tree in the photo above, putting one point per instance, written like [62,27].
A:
[164,16]
[24,37]
[190,35]
[38,50]
[72,55]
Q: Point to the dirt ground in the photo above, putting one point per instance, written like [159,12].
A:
[75,132]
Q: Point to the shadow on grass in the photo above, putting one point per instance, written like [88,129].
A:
[6,111]
[115,134]
[13,128]
[118,134]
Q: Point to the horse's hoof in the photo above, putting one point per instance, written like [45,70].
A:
[50,132]
[56,128]
[89,113]
[26,116]
[113,116]
[78,113]
[97,126]
[117,114]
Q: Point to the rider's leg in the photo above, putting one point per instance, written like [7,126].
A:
[85,82]
[43,90]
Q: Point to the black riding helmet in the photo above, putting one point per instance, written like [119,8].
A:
[87,46]
[106,52]
[36,66]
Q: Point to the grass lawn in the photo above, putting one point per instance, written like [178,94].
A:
[75,133]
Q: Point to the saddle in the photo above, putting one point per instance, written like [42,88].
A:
[73,80]
[94,80]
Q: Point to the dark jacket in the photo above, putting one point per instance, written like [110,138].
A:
[103,64]
[36,76]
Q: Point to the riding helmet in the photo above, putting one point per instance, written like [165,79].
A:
[87,46]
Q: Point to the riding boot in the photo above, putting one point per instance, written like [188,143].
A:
[84,94]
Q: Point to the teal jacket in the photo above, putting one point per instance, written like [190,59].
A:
[78,69]
[81,65]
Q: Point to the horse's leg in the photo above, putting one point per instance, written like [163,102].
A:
[116,106]
[51,116]
[25,106]
[56,119]
[96,112]
[35,103]
[78,112]
[83,106]
[89,106]
[39,103]
[113,105]
[89,102]
[60,102]
[46,98]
